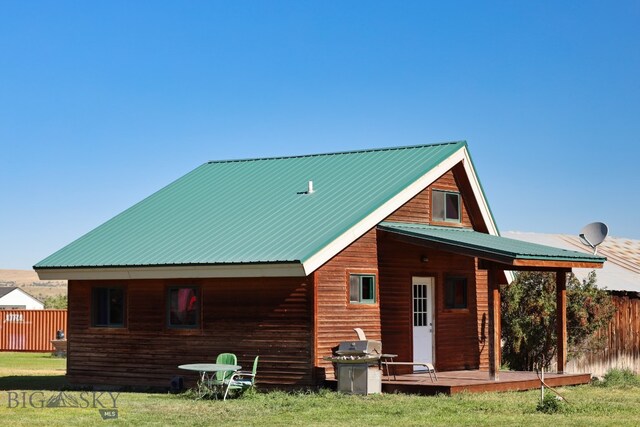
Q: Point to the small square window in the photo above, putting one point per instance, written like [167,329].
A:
[455,292]
[183,307]
[108,307]
[362,289]
[445,206]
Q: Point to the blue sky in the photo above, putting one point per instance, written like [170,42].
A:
[103,103]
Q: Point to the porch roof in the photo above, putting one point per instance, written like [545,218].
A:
[498,249]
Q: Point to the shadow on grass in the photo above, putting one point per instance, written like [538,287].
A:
[34,382]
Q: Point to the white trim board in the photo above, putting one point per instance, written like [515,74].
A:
[173,272]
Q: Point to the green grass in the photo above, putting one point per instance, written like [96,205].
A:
[31,371]
[589,405]
[32,363]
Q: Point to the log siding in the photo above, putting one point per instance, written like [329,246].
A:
[458,332]
[418,209]
[335,316]
[270,317]
[461,336]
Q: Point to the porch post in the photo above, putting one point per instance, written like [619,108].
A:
[561,322]
[494,324]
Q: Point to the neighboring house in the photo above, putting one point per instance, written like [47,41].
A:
[283,257]
[621,278]
[13,298]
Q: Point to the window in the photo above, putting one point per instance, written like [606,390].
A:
[183,307]
[108,307]
[445,206]
[455,292]
[362,289]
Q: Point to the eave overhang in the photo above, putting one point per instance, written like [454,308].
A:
[284,269]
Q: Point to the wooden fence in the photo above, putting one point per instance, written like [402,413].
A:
[622,341]
[30,330]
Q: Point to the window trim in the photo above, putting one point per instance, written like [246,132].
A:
[198,292]
[361,302]
[446,193]
[125,307]
[454,279]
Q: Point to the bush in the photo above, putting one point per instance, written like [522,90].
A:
[57,302]
[550,404]
[529,318]
[620,378]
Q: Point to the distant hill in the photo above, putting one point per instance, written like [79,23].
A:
[28,281]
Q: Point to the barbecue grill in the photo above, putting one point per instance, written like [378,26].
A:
[358,366]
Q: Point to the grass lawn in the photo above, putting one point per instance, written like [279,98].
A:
[589,405]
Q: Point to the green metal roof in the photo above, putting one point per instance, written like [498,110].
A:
[252,211]
[487,245]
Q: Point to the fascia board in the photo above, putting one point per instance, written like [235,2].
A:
[173,272]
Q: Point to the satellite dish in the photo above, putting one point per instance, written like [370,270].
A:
[593,234]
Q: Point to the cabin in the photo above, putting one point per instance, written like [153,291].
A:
[283,257]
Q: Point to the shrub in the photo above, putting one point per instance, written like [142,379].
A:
[550,404]
[58,302]
[529,318]
[620,378]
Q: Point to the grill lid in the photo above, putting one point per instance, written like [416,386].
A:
[359,348]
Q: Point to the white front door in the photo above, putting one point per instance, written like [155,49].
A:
[422,320]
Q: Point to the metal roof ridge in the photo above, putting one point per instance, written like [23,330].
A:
[365,150]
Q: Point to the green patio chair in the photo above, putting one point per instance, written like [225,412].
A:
[242,380]
[224,376]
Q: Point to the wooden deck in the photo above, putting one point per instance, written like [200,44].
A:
[452,382]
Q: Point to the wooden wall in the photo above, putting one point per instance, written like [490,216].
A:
[457,331]
[460,335]
[418,209]
[270,317]
[336,317]
[622,341]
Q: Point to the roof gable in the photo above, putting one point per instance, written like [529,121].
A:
[256,211]
[6,290]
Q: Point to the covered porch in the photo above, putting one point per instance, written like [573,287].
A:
[496,257]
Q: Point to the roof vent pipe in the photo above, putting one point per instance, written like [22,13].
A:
[310,189]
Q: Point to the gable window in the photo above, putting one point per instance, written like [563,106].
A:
[445,206]
[362,289]
[455,292]
[108,307]
[183,307]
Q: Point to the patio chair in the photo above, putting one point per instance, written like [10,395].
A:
[223,376]
[242,380]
